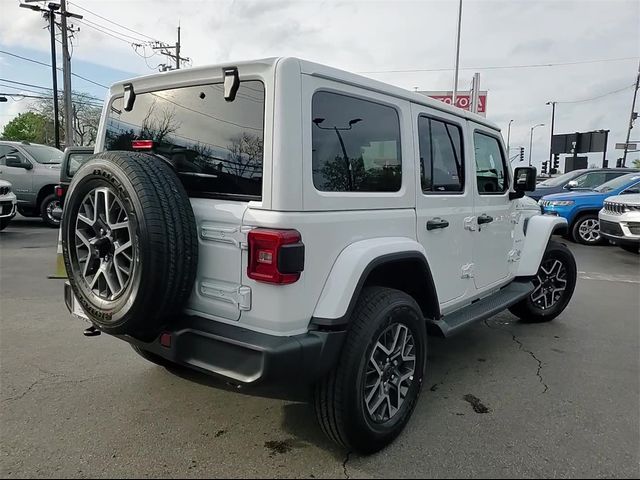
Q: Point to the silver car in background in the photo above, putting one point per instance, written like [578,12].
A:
[8,203]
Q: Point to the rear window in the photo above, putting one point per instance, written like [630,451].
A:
[76,160]
[216,146]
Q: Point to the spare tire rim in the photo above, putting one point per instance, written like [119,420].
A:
[390,372]
[550,284]
[105,252]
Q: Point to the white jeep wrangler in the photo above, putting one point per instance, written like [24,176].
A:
[282,220]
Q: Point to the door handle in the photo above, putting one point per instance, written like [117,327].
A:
[484,218]
[436,223]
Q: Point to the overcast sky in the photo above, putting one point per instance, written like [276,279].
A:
[367,36]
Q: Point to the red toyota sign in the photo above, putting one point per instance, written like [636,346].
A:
[463,100]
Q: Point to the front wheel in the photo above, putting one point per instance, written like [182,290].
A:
[553,286]
[366,401]
[48,208]
[586,230]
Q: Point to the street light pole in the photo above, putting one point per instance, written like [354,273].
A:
[631,118]
[457,68]
[509,136]
[531,139]
[553,120]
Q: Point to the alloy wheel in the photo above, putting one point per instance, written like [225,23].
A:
[550,284]
[104,251]
[589,230]
[390,373]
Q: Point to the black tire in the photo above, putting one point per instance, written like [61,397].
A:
[586,239]
[163,237]
[49,203]
[531,309]
[4,222]
[153,358]
[339,399]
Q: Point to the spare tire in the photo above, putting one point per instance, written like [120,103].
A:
[130,243]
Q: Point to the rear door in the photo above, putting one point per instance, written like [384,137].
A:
[494,212]
[444,202]
[216,147]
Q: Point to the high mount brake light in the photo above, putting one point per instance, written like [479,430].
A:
[275,256]
[142,144]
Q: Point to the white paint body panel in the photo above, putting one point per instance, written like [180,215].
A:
[539,230]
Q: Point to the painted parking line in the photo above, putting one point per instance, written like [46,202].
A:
[609,278]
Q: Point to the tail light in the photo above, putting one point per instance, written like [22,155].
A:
[275,256]
[59,191]
[142,144]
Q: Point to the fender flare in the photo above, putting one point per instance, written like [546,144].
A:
[538,233]
[351,269]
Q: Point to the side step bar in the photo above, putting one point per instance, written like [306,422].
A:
[484,308]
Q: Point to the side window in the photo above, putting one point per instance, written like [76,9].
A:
[3,154]
[441,162]
[591,180]
[490,164]
[355,145]
[632,189]
[611,175]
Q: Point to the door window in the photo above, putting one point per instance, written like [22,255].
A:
[490,165]
[591,180]
[441,161]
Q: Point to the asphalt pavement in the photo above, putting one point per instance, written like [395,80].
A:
[503,399]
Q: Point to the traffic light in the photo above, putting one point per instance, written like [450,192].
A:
[522,154]
[544,167]
[556,161]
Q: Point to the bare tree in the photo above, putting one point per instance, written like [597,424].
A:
[245,155]
[157,126]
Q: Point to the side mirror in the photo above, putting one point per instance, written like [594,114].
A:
[14,161]
[571,185]
[524,180]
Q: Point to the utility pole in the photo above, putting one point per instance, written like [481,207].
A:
[165,50]
[632,117]
[50,15]
[455,77]
[66,74]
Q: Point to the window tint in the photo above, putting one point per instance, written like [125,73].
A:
[441,163]
[611,175]
[355,145]
[490,164]
[76,160]
[216,146]
[633,189]
[6,150]
[591,180]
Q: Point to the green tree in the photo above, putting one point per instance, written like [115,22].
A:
[636,163]
[30,127]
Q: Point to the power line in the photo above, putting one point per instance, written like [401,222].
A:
[128,42]
[600,96]
[112,22]
[47,65]
[504,67]
[137,39]
[49,90]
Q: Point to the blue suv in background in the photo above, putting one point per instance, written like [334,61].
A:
[584,179]
[581,208]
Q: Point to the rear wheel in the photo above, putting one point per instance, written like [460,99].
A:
[49,205]
[586,230]
[366,401]
[553,286]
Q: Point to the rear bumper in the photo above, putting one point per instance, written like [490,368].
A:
[239,355]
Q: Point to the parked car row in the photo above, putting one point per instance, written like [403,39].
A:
[584,208]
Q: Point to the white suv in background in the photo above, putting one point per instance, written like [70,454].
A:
[620,221]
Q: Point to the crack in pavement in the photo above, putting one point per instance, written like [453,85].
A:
[42,380]
[344,465]
[523,349]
